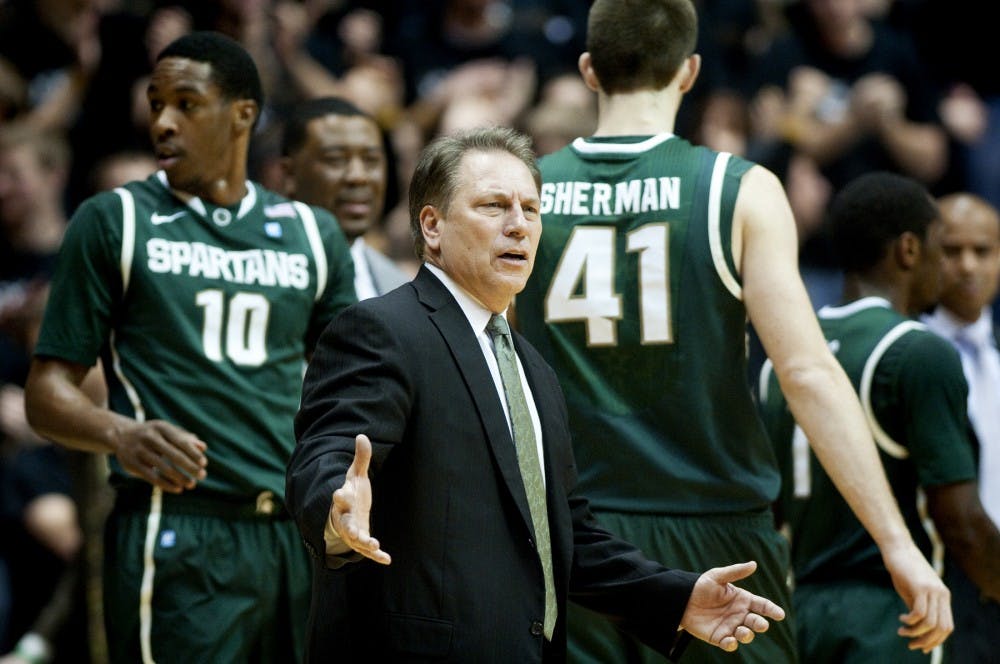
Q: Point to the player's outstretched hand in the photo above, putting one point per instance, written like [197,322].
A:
[929,621]
[352,504]
[722,614]
[162,454]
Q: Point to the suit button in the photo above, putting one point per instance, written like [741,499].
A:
[531,543]
[537,628]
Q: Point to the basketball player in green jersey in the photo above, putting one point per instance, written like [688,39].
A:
[913,391]
[202,293]
[654,253]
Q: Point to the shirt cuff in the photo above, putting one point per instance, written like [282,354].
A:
[338,554]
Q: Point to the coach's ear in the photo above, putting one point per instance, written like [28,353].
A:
[430,229]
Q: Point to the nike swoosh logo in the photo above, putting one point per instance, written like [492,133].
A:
[158,219]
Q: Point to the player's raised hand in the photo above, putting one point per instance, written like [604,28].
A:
[162,454]
[352,504]
[724,615]
[929,621]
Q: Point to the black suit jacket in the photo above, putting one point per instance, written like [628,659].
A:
[465,583]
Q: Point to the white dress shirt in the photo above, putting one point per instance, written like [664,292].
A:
[364,285]
[478,317]
[976,345]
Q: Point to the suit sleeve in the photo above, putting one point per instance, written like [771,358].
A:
[613,577]
[355,384]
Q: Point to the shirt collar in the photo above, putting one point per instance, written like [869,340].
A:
[979,333]
[358,249]
[477,315]
[247,203]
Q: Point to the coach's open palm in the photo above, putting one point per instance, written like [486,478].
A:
[352,504]
[722,614]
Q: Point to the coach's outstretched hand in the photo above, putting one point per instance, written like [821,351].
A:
[352,505]
[722,614]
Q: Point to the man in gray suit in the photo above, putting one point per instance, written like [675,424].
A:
[334,157]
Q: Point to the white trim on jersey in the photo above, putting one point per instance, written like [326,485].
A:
[729,280]
[884,441]
[133,395]
[153,521]
[148,572]
[249,201]
[766,370]
[316,242]
[937,546]
[585,146]
[851,308]
[937,554]
[127,254]
[128,235]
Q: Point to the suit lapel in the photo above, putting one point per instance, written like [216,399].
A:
[451,322]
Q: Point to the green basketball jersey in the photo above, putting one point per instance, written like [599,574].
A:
[912,389]
[635,300]
[202,316]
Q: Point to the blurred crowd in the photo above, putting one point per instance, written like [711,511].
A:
[819,91]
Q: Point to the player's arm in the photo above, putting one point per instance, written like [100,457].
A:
[935,398]
[968,533]
[58,408]
[822,399]
[85,287]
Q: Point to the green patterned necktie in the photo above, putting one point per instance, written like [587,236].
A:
[527,458]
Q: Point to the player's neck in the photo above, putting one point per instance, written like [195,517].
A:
[224,192]
[640,113]
[857,287]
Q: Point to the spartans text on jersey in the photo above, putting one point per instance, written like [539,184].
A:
[265,267]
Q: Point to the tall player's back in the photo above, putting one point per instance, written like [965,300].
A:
[636,301]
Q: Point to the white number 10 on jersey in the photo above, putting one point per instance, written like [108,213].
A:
[245,326]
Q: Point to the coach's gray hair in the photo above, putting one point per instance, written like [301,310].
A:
[435,177]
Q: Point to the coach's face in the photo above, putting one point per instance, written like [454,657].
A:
[487,239]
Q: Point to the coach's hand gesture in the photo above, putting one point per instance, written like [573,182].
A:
[722,614]
[352,504]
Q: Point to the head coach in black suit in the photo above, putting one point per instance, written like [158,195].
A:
[407,432]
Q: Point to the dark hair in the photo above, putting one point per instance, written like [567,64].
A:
[435,177]
[871,211]
[640,44]
[233,70]
[294,135]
